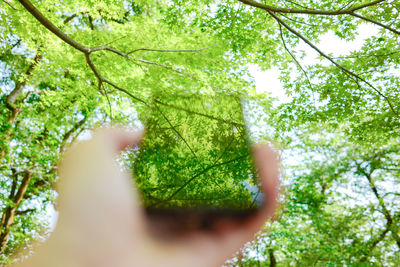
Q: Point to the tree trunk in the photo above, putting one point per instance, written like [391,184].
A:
[11,102]
[272,260]
[9,212]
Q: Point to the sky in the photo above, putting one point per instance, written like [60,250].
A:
[268,81]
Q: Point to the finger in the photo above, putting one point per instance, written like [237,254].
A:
[91,180]
[267,162]
[218,247]
[97,154]
[118,139]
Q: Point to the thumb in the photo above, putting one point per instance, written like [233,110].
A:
[92,187]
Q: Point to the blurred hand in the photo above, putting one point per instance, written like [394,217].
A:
[101,223]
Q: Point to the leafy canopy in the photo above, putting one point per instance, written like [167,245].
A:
[68,67]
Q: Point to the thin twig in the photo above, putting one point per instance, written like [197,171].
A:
[376,23]
[170,50]
[370,55]
[177,132]
[91,22]
[125,91]
[296,61]
[347,5]
[109,102]
[161,65]
[304,23]
[296,4]
[345,70]
[113,41]
[201,173]
[68,19]
[9,4]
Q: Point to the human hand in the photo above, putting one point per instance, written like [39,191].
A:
[101,223]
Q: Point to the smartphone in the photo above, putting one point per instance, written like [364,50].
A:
[194,165]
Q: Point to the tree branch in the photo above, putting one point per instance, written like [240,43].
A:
[11,101]
[102,80]
[12,97]
[108,101]
[345,70]
[76,136]
[19,86]
[5,1]
[374,243]
[200,114]
[200,173]
[9,49]
[381,202]
[348,11]
[126,55]
[347,4]
[295,60]
[370,55]
[171,50]
[160,64]
[297,4]
[14,183]
[304,23]
[125,91]
[22,212]
[71,131]
[91,22]
[68,19]
[87,51]
[51,27]
[376,23]
[9,212]
[308,11]
[177,132]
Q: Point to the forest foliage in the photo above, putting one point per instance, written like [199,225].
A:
[68,67]
[195,155]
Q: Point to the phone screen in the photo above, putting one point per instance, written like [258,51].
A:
[195,156]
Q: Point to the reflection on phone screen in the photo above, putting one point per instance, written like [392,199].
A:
[196,155]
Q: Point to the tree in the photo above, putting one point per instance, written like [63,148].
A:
[58,86]
[69,67]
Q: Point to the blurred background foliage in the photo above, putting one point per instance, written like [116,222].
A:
[68,67]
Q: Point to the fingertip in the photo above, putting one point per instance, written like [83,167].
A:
[119,138]
[265,153]
[268,165]
[129,138]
